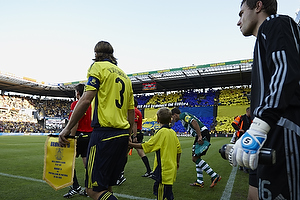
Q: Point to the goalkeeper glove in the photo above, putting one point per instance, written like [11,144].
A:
[246,149]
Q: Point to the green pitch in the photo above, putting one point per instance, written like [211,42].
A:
[22,160]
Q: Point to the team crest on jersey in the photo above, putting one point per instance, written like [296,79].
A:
[93,81]
[187,118]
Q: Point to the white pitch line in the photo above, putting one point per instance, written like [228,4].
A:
[131,197]
[42,181]
[22,177]
[228,188]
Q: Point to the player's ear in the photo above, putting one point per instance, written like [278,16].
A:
[259,6]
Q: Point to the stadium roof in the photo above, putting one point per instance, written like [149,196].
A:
[225,74]
[11,83]
[233,73]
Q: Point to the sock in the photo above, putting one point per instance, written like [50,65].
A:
[75,181]
[199,174]
[121,175]
[107,196]
[146,163]
[205,167]
[123,167]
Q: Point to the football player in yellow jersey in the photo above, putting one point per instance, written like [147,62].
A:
[168,150]
[110,93]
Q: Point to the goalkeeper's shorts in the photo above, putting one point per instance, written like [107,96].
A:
[282,179]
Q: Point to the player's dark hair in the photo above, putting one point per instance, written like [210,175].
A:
[80,88]
[175,111]
[164,115]
[104,51]
[135,103]
[270,6]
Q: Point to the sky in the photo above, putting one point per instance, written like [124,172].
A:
[53,40]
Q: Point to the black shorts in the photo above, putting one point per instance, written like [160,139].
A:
[204,134]
[139,137]
[282,179]
[253,181]
[82,143]
[106,157]
[163,191]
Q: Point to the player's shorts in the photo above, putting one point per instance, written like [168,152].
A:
[253,181]
[82,143]
[204,134]
[106,157]
[163,191]
[282,179]
[139,137]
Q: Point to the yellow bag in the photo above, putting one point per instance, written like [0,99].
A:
[59,162]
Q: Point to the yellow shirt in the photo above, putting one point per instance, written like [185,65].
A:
[167,146]
[114,95]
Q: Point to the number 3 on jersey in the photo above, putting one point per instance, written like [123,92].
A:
[119,104]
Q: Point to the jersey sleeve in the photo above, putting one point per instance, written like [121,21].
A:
[153,144]
[136,116]
[92,84]
[93,77]
[72,108]
[236,122]
[186,117]
[131,101]
[179,150]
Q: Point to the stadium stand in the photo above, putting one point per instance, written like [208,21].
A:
[187,88]
[143,98]
[231,102]
[23,114]
[234,96]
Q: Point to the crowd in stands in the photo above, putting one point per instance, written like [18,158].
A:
[191,98]
[143,99]
[12,119]
[52,108]
[163,98]
[23,114]
[21,127]
[231,97]
[199,99]
[234,96]
[15,102]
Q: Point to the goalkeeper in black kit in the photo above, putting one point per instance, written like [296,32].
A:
[275,100]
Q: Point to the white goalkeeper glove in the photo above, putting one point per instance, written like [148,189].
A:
[246,149]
